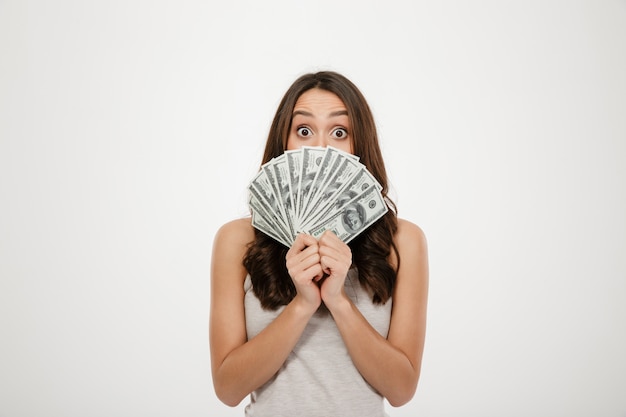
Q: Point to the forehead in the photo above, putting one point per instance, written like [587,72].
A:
[318,100]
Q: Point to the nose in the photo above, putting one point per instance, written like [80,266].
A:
[320,141]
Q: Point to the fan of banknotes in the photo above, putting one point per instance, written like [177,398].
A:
[314,189]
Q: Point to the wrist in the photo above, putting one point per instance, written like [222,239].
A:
[304,307]
[339,304]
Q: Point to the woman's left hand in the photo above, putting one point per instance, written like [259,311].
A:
[336,260]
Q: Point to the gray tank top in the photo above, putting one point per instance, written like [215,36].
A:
[318,378]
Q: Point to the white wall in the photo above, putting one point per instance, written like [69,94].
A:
[129,131]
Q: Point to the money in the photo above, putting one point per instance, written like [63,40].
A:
[314,189]
[354,217]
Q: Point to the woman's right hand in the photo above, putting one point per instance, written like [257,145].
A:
[303,265]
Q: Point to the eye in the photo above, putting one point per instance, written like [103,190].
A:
[340,133]
[304,131]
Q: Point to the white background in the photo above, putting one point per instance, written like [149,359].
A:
[129,131]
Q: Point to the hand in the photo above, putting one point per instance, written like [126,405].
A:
[335,261]
[305,270]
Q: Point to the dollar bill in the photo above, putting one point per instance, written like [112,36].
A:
[277,174]
[262,220]
[357,215]
[311,161]
[260,223]
[321,174]
[342,171]
[262,193]
[294,167]
[355,185]
[313,189]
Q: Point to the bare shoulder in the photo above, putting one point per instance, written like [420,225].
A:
[410,240]
[409,235]
[235,233]
[410,295]
[229,249]
[412,278]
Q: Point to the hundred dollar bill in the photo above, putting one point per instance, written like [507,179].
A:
[261,192]
[341,172]
[311,160]
[330,162]
[357,215]
[267,220]
[356,185]
[293,160]
[278,179]
[304,189]
[329,156]
[259,222]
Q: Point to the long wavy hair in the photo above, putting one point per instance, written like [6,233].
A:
[265,258]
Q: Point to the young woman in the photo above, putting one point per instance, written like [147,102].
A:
[322,328]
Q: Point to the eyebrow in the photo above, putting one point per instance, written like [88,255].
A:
[338,113]
[302,113]
[309,114]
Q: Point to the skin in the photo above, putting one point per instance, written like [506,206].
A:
[320,119]
[318,269]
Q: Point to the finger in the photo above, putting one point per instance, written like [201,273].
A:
[328,264]
[307,239]
[310,260]
[335,256]
[316,272]
[333,251]
[309,255]
[298,244]
[301,243]
[298,265]
[311,273]
[331,245]
[332,265]
[330,239]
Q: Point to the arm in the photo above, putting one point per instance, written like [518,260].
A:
[392,365]
[239,366]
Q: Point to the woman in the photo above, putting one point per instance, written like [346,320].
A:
[322,328]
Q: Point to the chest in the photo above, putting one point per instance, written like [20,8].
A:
[321,329]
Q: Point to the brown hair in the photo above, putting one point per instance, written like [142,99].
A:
[265,258]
